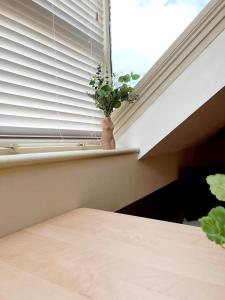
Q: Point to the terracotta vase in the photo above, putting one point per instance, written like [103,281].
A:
[107,139]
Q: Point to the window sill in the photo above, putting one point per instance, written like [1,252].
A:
[7,161]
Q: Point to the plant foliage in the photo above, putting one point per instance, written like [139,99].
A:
[214,224]
[217,185]
[109,94]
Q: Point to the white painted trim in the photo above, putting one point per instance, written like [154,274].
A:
[203,79]
[189,45]
[7,161]
[6,150]
[45,147]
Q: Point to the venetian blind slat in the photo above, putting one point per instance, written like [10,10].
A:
[48,52]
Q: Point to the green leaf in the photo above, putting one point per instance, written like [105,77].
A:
[92,82]
[101,93]
[214,225]
[124,89]
[106,88]
[125,78]
[135,76]
[116,104]
[218,214]
[217,185]
[120,79]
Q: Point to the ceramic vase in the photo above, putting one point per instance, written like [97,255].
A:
[107,138]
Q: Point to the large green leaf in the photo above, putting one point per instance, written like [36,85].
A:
[214,225]
[217,185]
[135,76]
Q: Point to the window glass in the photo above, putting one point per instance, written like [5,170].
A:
[142,30]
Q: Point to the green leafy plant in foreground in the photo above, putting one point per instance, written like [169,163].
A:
[214,223]
[109,93]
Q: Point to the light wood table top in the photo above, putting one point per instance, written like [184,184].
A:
[91,254]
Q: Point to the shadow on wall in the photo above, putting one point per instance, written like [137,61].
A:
[189,196]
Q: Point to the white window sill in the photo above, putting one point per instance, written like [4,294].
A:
[7,161]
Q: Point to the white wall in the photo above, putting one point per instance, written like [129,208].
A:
[195,86]
[33,193]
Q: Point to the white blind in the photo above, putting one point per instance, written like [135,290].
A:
[48,51]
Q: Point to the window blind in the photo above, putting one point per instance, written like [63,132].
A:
[48,51]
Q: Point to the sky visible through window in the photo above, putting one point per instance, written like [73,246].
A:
[142,30]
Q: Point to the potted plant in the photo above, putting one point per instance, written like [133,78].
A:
[108,94]
[214,224]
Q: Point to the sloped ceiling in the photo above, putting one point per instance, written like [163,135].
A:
[202,125]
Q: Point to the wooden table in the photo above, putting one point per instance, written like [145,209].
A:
[90,254]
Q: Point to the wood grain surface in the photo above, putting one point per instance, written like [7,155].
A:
[92,254]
